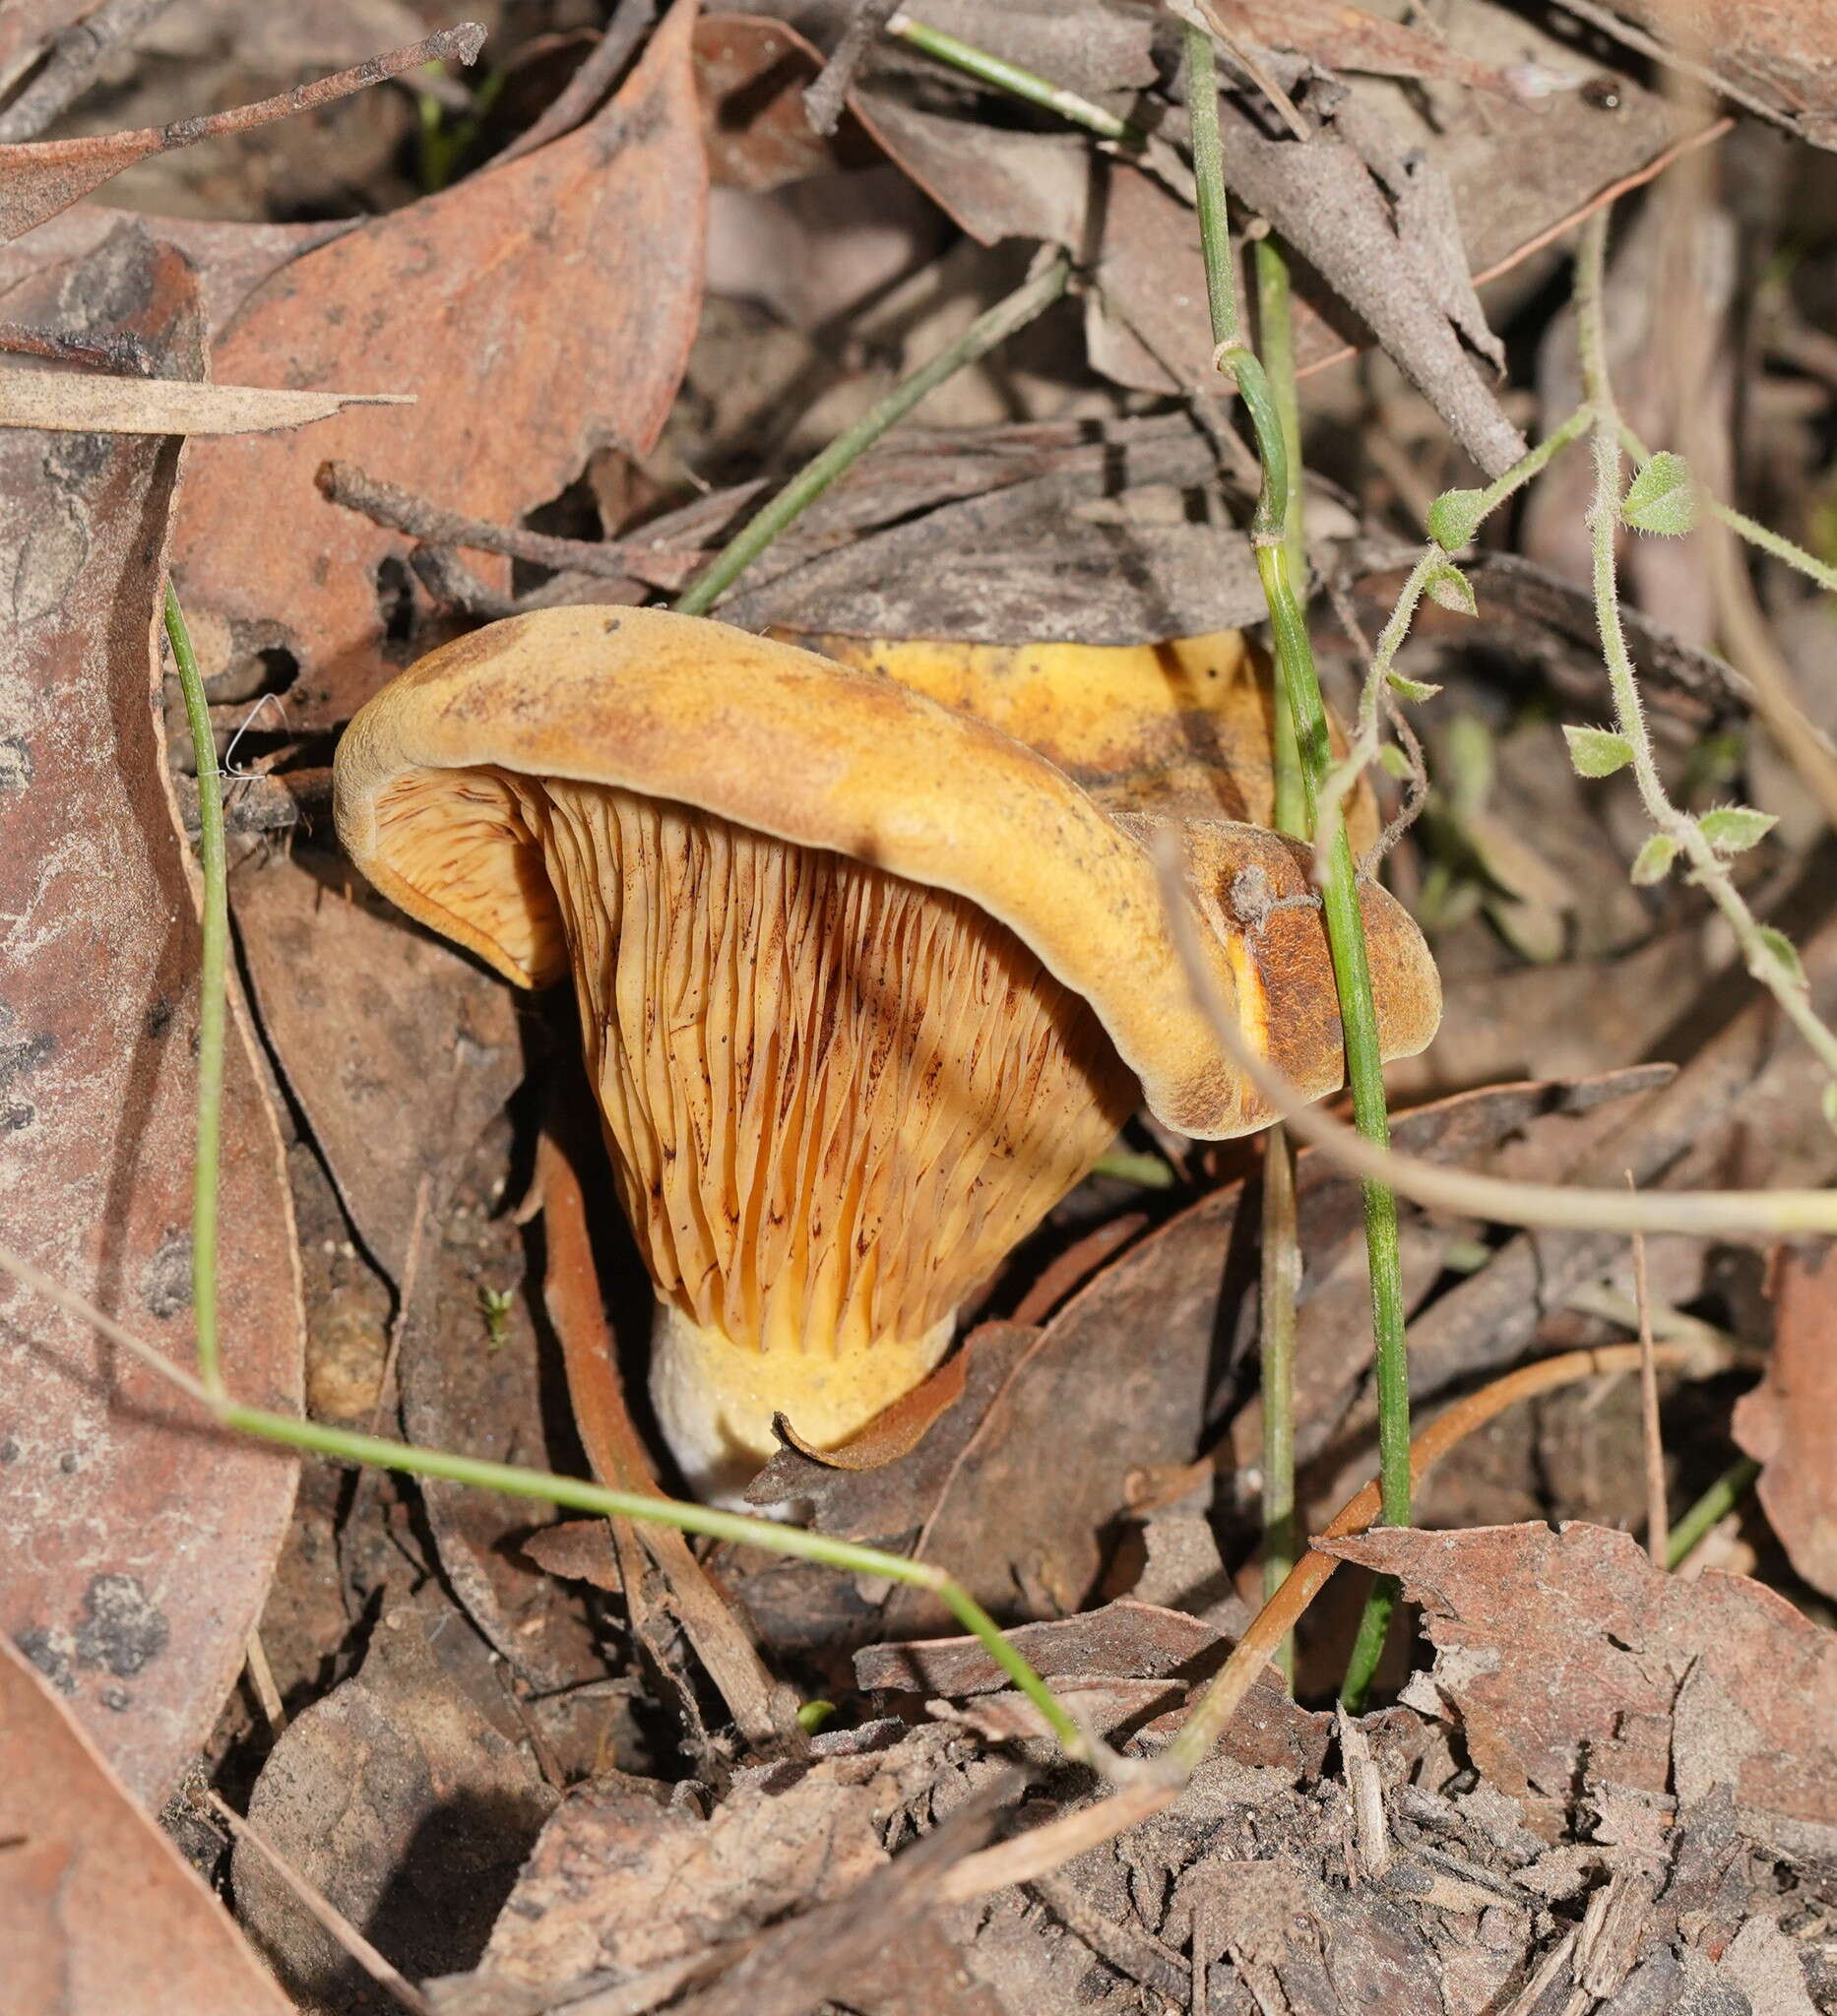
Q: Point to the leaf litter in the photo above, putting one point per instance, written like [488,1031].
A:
[541,1765]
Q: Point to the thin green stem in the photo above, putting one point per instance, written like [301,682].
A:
[1281,1280]
[1202,109]
[1763,958]
[575,1495]
[1750,528]
[1294,659]
[212,979]
[804,488]
[1714,1506]
[1276,330]
[1532,463]
[1001,74]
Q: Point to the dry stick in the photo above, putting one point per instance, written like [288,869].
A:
[571,1295]
[808,485]
[321,1907]
[823,101]
[72,61]
[1657,1519]
[462,43]
[398,510]
[590,83]
[1035,1853]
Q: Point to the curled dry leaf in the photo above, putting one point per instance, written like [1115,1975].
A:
[99,1912]
[82,403]
[1789,1423]
[536,311]
[1568,1648]
[40,177]
[112,1505]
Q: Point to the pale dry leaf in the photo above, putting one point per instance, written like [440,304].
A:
[82,403]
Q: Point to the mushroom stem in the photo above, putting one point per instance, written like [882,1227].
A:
[716,1400]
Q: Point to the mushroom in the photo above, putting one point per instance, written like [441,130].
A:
[865,985]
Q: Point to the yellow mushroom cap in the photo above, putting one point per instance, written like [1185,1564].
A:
[782,742]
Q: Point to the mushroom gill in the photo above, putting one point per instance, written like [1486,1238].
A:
[834,1100]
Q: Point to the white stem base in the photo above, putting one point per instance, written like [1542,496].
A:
[716,1400]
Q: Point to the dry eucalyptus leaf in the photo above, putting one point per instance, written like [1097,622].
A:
[403,1802]
[98,1914]
[140,1552]
[84,403]
[1562,1647]
[536,311]
[1789,1421]
[398,1050]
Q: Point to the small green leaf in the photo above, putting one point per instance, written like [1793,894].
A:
[1417,690]
[1652,863]
[1454,518]
[1734,829]
[1785,951]
[1393,762]
[1598,752]
[1662,498]
[1451,589]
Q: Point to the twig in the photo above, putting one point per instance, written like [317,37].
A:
[398,510]
[1339,901]
[107,350]
[1709,1511]
[589,84]
[212,997]
[823,102]
[1001,74]
[262,1679]
[983,336]
[72,64]
[322,1910]
[1657,1517]
[460,43]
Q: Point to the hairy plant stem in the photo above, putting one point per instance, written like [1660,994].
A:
[757,534]
[1275,320]
[1343,915]
[1001,74]
[213,997]
[1722,1496]
[1763,960]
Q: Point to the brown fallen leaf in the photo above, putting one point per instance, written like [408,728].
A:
[1789,1423]
[625,1878]
[1564,1648]
[1774,56]
[99,1911]
[40,177]
[398,1050]
[113,1508]
[537,311]
[84,403]
[403,1801]
[750,73]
